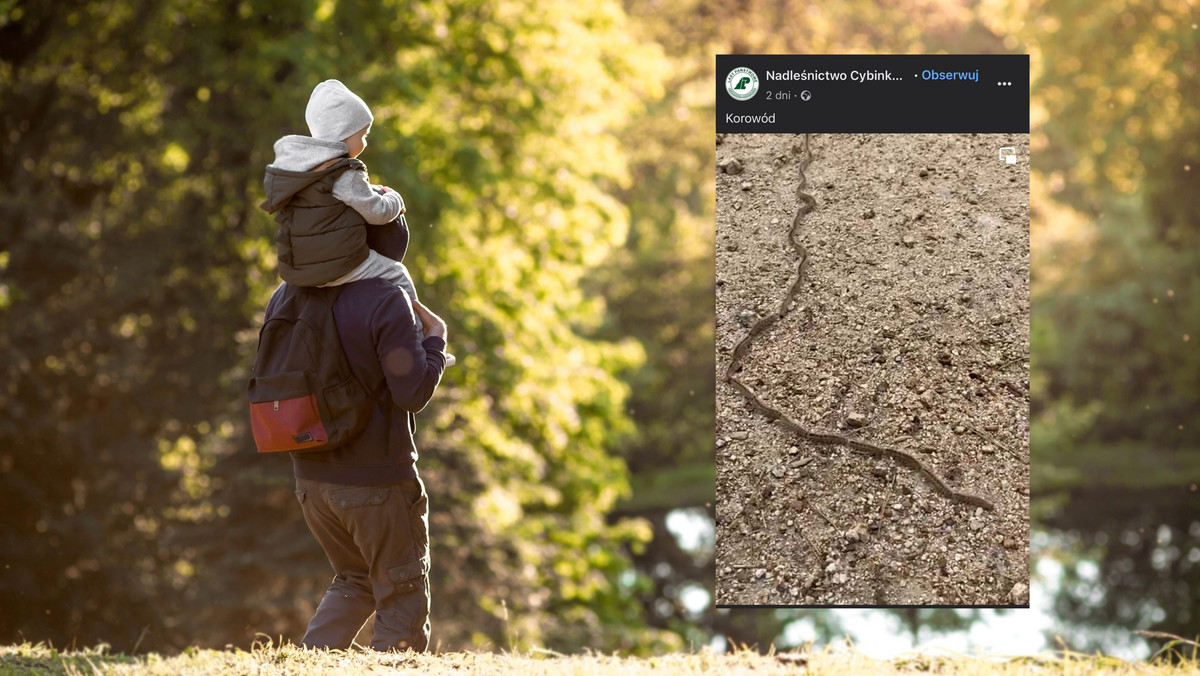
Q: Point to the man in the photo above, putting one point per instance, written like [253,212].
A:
[363,501]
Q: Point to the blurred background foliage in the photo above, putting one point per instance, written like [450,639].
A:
[135,265]
[557,160]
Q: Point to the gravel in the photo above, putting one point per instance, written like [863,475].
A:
[882,346]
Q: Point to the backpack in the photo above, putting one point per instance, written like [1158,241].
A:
[303,395]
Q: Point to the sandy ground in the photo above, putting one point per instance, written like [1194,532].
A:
[915,321]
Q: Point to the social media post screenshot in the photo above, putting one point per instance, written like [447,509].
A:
[872,331]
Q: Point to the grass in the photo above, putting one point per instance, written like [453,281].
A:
[271,660]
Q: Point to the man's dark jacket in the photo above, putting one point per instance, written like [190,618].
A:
[375,323]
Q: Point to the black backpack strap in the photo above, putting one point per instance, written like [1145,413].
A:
[321,298]
[319,302]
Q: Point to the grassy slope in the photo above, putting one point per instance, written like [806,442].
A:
[271,660]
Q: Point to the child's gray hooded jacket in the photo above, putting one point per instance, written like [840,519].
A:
[322,215]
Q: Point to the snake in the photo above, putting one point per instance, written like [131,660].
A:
[807,204]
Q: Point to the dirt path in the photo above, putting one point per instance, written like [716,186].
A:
[911,331]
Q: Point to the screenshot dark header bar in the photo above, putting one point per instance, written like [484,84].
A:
[875,94]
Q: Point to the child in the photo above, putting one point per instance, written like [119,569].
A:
[320,241]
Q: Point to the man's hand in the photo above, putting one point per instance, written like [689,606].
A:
[433,324]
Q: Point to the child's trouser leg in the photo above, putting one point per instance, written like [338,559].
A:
[404,281]
[382,267]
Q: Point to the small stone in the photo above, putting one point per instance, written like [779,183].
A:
[988,448]
[732,246]
[899,507]
[760,573]
[747,185]
[1010,543]
[856,420]
[927,398]
[720,443]
[991,428]
[740,435]
[746,318]
[944,358]
[923,173]
[971,199]
[797,464]
[888,332]
[965,298]
[1019,595]
[731,166]
[976,524]
[857,532]
[869,213]
[909,241]
[959,429]
[793,450]
[779,471]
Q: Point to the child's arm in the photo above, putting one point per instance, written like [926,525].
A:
[353,188]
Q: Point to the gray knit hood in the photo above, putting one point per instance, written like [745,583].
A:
[302,153]
[295,157]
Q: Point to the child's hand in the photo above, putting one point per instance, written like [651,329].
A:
[382,190]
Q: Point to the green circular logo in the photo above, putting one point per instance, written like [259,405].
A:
[742,84]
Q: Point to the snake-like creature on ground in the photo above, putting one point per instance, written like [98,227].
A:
[806,206]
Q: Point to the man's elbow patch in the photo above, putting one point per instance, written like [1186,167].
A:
[399,362]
